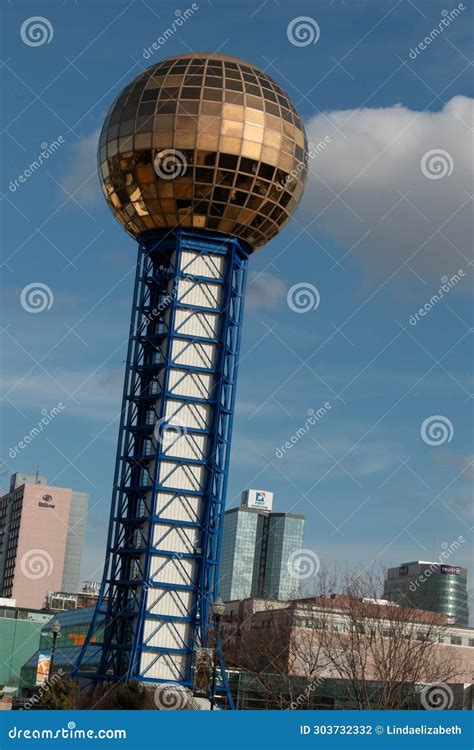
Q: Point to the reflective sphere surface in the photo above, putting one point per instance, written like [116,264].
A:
[203,141]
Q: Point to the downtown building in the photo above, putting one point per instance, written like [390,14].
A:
[41,539]
[431,586]
[257,548]
[345,653]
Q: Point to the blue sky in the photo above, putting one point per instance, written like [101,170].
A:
[373,234]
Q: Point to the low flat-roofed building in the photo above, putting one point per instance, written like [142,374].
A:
[20,633]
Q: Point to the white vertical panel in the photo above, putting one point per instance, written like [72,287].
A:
[191,384]
[190,415]
[201,294]
[173,503]
[165,569]
[200,324]
[196,354]
[179,507]
[209,266]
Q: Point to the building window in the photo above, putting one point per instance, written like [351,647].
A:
[470,642]
[456,640]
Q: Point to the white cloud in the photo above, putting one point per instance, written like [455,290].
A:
[98,394]
[373,160]
[264,291]
[81,176]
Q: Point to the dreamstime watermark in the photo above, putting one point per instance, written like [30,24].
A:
[303,31]
[303,697]
[437,430]
[180,19]
[303,564]
[313,418]
[70,732]
[36,564]
[36,31]
[46,419]
[36,699]
[445,288]
[436,164]
[36,297]
[168,298]
[170,163]
[437,697]
[448,16]
[171,697]
[448,550]
[303,297]
[47,150]
[312,151]
[167,434]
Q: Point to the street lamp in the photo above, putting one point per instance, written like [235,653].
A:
[218,609]
[56,629]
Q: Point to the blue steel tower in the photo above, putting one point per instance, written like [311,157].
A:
[202,159]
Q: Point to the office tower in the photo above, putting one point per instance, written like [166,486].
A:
[257,546]
[202,160]
[432,586]
[41,538]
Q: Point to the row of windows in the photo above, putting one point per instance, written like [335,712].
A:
[454,640]
[72,635]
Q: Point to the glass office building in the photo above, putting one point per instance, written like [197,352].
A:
[256,549]
[431,586]
[285,537]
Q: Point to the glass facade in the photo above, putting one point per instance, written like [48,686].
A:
[431,586]
[334,694]
[285,537]
[256,548]
[238,554]
[74,628]
[74,541]
[203,141]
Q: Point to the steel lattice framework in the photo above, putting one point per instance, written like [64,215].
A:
[162,558]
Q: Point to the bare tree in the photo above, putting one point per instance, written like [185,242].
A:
[381,651]
[281,662]
[281,669]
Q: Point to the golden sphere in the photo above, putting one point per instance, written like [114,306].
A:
[204,141]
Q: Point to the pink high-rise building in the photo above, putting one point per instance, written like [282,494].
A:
[41,538]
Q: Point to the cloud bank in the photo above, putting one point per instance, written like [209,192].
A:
[392,187]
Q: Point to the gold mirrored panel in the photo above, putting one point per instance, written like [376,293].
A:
[204,141]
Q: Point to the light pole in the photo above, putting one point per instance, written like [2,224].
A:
[218,609]
[56,629]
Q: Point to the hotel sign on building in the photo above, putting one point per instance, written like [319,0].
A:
[46,502]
